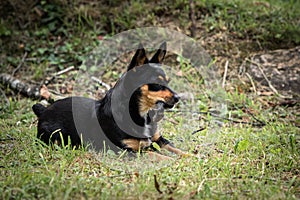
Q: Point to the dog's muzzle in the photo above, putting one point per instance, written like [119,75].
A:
[170,103]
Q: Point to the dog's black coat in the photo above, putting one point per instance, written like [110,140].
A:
[93,120]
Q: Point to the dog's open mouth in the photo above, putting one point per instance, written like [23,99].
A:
[166,105]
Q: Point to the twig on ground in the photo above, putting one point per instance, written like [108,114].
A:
[47,82]
[225,74]
[196,131]
[100,82]
[156,184]
[242,68]
[252,82]
[237,121]
[31,59]
[65,70]
[20,64]
[255,118]
[265,76]
[260,124]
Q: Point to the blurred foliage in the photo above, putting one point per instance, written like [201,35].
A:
[61,32]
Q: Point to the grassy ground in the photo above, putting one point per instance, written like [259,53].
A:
[236,161]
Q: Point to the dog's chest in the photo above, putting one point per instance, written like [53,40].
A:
[148,131]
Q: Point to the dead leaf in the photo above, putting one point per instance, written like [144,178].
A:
[241,91]
[21,46]
[44,92]
[136,174]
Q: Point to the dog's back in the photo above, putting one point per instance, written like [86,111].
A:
[58,119]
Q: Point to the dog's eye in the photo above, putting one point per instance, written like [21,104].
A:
[155,87]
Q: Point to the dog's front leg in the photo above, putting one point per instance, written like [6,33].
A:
[166,144]
[175,150]
[135,145]
[157,157]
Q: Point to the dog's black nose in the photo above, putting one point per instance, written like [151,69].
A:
[176,98]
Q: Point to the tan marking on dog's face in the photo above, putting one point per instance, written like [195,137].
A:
[150,98]
[165,79]
[136,144]
[161,78]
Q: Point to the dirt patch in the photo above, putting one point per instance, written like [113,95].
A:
[281,67]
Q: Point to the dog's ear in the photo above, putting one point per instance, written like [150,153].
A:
[139,58]
[160,54]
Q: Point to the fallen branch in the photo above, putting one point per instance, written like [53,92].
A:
[20,86]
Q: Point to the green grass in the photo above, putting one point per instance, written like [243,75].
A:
[263,20]
[236,161]
[66,32]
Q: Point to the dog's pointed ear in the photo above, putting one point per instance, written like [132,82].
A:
[160,54]
[139,58]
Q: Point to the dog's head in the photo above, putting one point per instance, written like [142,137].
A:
[156,91]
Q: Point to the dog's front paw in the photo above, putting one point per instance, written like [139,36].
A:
[158,157]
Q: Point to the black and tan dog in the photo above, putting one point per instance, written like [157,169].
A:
[125,118]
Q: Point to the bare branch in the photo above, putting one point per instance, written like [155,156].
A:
[20,86]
